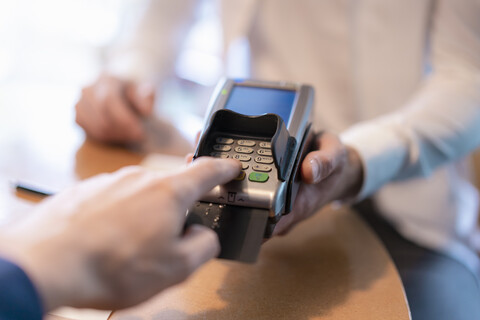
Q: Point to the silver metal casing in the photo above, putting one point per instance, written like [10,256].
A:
[271,194]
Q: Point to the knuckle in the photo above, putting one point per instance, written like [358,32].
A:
[168,189]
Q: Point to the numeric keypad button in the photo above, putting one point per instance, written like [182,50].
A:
[262,168]
[241,176]
[222,147]
[246,143]
[223,140]
[264,144]
[265,160]
[264,152]
[220,155]
[246,150]
[242,157]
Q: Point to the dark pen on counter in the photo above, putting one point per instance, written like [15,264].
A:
[28,188]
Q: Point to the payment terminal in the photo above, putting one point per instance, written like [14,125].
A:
[266,126]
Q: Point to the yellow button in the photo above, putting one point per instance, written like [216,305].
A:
[241,176]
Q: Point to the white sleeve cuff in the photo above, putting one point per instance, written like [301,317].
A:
[381,151]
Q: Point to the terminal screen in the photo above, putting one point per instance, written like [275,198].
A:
[254,101]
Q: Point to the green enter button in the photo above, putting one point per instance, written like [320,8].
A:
[258,176]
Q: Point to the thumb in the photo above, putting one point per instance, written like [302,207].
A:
[320,164]
[200,244]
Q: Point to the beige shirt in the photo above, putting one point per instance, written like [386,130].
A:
[398,80]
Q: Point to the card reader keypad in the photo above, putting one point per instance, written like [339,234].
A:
[254,155]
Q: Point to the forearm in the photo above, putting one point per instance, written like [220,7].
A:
[441,125]
[441,122]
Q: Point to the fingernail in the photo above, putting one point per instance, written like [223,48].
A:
[315,169]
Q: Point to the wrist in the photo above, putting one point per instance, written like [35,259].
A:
[353,175]
[50,272]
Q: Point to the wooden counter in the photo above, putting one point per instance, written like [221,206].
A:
[329,267]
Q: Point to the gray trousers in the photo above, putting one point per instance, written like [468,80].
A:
[437,286]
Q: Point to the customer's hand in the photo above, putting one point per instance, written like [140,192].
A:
[111,109]
[332,172]
[116,239]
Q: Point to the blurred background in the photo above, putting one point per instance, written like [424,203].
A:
[50,49]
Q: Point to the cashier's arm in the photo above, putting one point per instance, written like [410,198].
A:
[116,239]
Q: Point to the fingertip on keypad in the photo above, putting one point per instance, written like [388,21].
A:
[228,147]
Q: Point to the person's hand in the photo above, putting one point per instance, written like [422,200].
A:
[111,109]
[116,239]
[332,172]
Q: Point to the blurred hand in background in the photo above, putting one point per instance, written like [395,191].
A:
[111,109]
